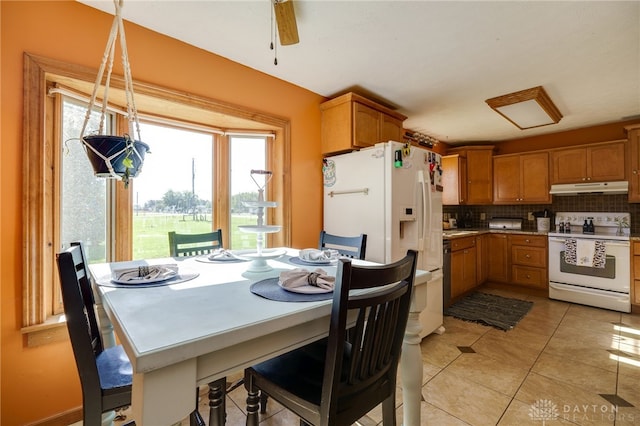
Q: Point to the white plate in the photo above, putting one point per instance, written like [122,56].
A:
[144,281]
[307,289]
[208,258]
[319,261]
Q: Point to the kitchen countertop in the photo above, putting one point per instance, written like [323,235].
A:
[468,232]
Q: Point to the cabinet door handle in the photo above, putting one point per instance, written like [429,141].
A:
[528,276]
[528,256]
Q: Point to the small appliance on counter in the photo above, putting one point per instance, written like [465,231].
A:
[543,220]
[511,223]
[466,221]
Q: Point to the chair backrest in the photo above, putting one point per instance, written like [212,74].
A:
[353,247]
[194,244]
[373,345]
[79,311]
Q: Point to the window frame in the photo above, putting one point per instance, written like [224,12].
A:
[40,188]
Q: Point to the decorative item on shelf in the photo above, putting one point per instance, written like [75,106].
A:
[622,223]
[260,255]
[420,138]
[114,156]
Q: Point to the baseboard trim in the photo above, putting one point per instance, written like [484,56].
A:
[65,418]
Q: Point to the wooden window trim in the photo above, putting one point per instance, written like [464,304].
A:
[40,191]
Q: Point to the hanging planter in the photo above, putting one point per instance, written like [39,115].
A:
[115,156]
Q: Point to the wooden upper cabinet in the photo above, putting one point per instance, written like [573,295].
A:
[521,178]
[478,174]
[633,155]
[351,122]
[592,163]
[454,180]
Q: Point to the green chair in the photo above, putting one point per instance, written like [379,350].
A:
[353,247]
[194,244]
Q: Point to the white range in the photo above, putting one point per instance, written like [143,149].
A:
[590,265]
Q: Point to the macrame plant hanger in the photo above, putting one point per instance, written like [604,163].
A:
[117,28]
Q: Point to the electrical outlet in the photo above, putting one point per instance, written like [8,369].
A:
[530,216]
[483,216]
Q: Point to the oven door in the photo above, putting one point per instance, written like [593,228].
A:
[613,277]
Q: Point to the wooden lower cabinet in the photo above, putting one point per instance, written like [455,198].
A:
[505,257]
[635,277]
[482,258]
[463,265]
[529,260]
[498,262]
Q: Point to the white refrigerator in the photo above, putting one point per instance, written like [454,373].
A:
[393,193]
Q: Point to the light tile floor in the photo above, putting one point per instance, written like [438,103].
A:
[563,364]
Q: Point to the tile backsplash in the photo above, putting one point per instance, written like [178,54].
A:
[577,203]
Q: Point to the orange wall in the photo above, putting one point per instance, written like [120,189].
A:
[37,383]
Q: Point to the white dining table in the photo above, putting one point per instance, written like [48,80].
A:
[182,335]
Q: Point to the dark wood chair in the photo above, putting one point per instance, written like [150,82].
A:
[354,372]
[353,247]
[105,373]
[194,244]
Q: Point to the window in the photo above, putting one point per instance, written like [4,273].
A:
[56,207]
[174,198]
[83,197]
[247,154]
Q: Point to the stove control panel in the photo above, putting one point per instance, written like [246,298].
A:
[603,223]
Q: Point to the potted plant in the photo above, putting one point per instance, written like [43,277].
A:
[115,156]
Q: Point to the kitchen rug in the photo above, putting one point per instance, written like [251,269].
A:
[497,311]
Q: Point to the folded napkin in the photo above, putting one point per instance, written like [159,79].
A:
[146,273]
[318,255]
[302,281]
[221,254]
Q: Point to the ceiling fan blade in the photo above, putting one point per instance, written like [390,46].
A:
[286,20]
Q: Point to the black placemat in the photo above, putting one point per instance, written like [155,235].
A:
[269,289]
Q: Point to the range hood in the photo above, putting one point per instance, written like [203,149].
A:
[620,187]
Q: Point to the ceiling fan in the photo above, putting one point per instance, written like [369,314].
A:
[286,22]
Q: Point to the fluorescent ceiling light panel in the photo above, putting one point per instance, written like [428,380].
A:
[527,108]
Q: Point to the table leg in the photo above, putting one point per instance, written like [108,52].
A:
[164,396]
[411,371]
[217,402]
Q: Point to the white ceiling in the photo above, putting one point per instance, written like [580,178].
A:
[434,61]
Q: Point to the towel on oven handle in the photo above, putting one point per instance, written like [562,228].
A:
[588,253]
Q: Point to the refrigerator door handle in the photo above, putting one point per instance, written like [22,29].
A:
[423,187]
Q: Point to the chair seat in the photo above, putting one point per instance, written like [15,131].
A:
[301,371]
[114,369]
[296,372]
